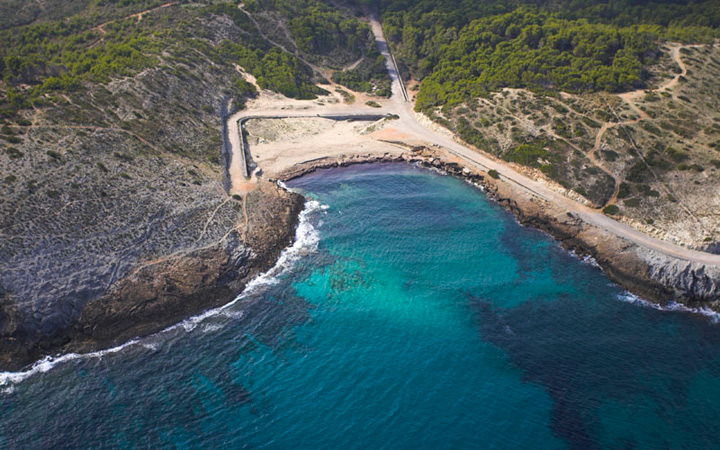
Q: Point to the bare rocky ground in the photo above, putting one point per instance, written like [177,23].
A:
[113,217]
[654,154]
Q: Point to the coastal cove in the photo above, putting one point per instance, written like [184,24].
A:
[411,311]
[652,267]
[662,280]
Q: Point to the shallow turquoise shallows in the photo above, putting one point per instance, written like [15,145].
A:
[412,313]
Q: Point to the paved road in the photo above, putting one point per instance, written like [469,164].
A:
[408,123]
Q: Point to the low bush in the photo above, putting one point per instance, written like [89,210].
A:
[625,190]
[14,153]
[611,210]
[527,154]
[676,155]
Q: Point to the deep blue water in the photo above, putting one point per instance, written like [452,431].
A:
[413,314]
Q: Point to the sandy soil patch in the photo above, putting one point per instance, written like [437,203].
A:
[277,145]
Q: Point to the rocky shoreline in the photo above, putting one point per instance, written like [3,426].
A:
[162,293]
[650,275]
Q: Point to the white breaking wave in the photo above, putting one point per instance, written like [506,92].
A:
[306,242]
[476,185]
[437,170]
[47,363]
[587,259]
[670,306]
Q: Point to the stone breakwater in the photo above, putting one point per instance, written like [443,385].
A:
[651,275]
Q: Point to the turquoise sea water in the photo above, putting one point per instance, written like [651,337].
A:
[412,314]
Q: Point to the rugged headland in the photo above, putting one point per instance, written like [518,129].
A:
[115,218]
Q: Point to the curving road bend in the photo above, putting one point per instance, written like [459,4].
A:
[408,124]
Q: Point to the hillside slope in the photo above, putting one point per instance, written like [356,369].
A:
[612,103]
[114,215]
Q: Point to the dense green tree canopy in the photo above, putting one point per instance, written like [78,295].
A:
[319,28]
[469,47]
[58,56]
[538,51]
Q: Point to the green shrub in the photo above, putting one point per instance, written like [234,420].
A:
[559,108]
[638,173]
[473,136]
[632,202]
[527,154]
[625,190]
[609,155]
[551,171]
[123,157]
[494,173]
[694,167]
[347,97]
[676,155]
[651,128]
[647,191]
[611,210]
[14,153]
